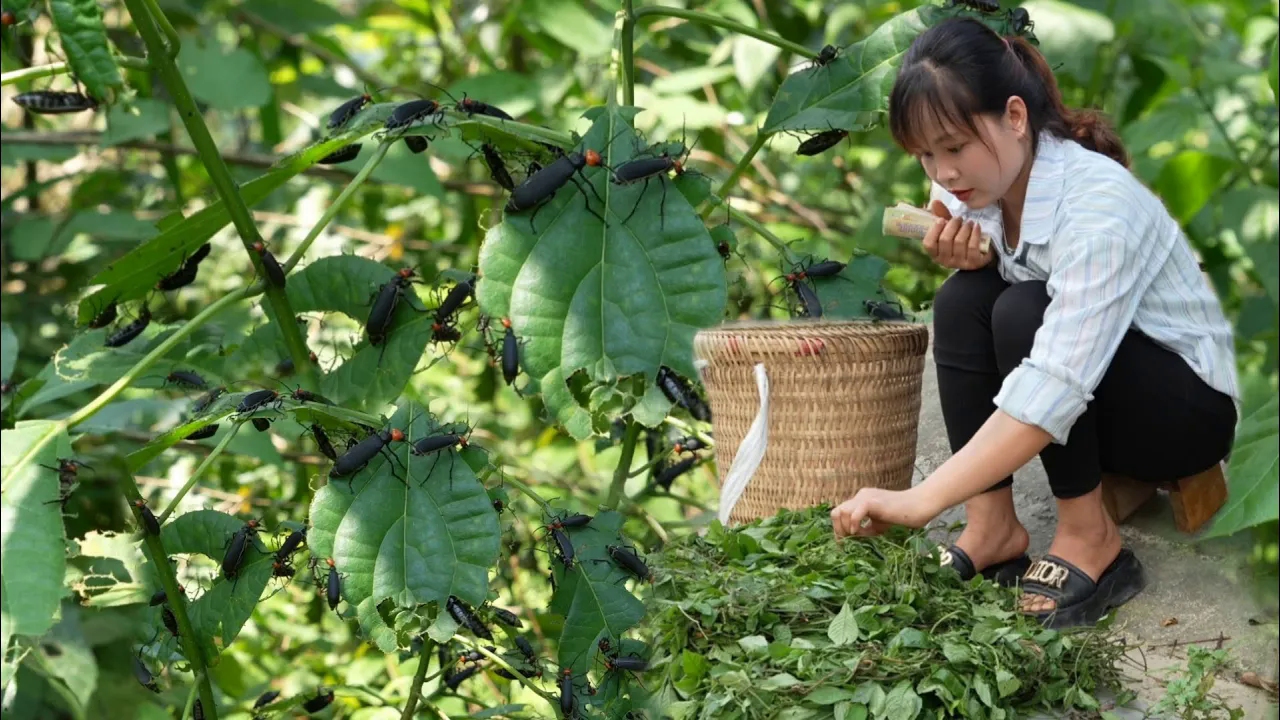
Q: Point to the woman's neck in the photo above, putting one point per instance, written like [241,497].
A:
[1011,204]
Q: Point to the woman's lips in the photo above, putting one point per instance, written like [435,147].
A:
[963,195]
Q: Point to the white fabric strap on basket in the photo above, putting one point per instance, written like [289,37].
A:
[750,451]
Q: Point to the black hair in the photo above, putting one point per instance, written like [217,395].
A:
[961,68]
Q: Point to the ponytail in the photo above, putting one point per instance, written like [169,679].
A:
[1090,128]
[961,68]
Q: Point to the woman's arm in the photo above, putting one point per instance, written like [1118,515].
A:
[1001,446]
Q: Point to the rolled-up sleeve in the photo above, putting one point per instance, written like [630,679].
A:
[1101,265]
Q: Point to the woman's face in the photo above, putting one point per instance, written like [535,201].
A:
[978,170]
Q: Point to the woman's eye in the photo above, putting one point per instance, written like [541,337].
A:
[955,149]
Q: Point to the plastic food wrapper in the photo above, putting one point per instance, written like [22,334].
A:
[905,221]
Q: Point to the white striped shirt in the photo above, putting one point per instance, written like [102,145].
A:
[1113,259]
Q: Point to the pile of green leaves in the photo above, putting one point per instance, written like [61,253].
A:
[779,619]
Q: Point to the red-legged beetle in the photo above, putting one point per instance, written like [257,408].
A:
[670,473]
[497,168]
[341,155]
[453,680]
[143,675]
[147,518]
[203,433]
[275,273]
[323,699]
[257,400]
[475,107]
[241,540]
[884,310]
[127,333]
[821,142]
[347,110]
[291,544]
[169,620]
[322,442]
[105,317]
[186,379]
[266,699]
[679,393]
[506,617]
[205,401]
[454,299]
[466,617]
[333,586]
[55,102]
[630,561]
[355,459]
[541,186]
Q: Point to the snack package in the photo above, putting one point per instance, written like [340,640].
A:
[905,221]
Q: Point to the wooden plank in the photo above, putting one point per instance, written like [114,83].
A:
[1123,495]
[1196,499]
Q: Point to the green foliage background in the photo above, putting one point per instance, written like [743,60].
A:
[114,198]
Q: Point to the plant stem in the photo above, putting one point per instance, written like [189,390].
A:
[760,230]
[204,464]
[627,66]
[177,601]
[171,35]
[332,211]
[546,506]
[507,666]
[727,24]
[419,675]
[41,71]
[225,185]
[624,465]
[743,163]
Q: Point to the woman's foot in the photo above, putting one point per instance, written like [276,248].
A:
[992,533]
[1086,537]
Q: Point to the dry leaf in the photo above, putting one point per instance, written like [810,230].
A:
[1168,622]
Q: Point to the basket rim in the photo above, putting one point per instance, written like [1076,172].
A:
[811,323]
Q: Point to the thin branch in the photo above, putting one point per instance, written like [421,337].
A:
[258,160]
[419,676]
[42,71]
[624,465]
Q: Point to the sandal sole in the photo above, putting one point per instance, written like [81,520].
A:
[1117,587]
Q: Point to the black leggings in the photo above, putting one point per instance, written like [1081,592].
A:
[1151,418]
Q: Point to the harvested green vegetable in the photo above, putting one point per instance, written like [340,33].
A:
[780,620]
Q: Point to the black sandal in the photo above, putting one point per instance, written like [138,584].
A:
[1004,573]
[1079,600]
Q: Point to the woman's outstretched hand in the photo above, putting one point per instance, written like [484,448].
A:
[871,511]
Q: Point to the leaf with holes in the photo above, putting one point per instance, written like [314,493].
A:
[373,375]
[224,608]
[414,530]
[33,540]
[84,39]
[592,594]
[845,295]
[603,301]
[852,91]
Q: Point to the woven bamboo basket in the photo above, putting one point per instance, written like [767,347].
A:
[844,407]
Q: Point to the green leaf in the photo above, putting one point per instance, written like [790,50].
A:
[983,690]
[1070,35]
[135,274]
[691,79]
[84,40]
[853,90]
[1266,264]
[224,608]
[828,695]
[31,239]
[592,595]
[611,302]
[843,629]
[573,24]
[347,284]
[69,656]
[295,16]
[415,538]
[1273,75]
[902,703]
[1253,476]
[226,81]
[402,167]
[146,118]
[33,541]
[8,351]
[844,296]
[956,652]
[1188,180]
[1006,682]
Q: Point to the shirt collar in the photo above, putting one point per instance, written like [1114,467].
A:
[1044,190]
